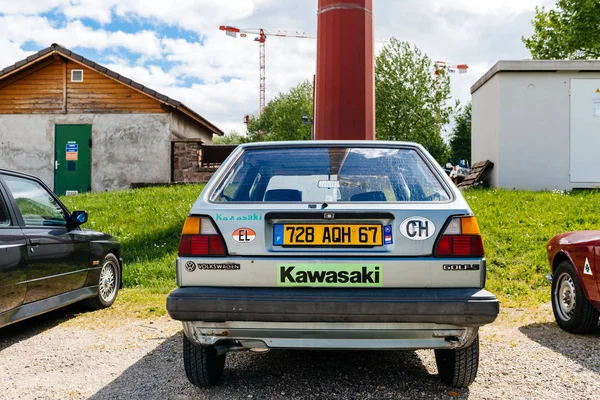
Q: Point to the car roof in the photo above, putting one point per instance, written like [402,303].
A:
[332,143]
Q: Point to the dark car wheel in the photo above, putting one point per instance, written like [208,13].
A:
[458,367]
[203,366]
[108,283]
[572,311]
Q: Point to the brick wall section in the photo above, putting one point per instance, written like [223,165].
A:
[185,163]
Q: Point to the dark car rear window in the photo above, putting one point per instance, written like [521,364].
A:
[336,174]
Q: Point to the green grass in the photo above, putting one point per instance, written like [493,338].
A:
[516,225]
[148,224]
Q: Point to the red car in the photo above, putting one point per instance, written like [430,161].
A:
[575,263]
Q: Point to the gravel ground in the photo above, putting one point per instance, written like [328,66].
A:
[67,355]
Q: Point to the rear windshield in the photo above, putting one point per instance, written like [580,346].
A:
[322,174]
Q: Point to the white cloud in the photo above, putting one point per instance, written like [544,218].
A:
[188,14]
[152,76]
[11,52]
[476,32]
[29,7]
[486,6]
[21,29]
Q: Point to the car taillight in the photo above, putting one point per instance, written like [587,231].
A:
[461,238]
[200,237]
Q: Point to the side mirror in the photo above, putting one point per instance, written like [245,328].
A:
[79,218]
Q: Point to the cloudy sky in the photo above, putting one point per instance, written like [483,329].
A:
[176,48]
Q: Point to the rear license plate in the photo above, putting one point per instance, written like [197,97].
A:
[367,235]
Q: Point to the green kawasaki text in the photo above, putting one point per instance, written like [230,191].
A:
[354,275]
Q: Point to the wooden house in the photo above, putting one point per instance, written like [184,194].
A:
[82,127]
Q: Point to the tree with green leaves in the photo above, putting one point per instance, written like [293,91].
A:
[460,140]
[282,117]
[568,31]
[412,103]
[232,137]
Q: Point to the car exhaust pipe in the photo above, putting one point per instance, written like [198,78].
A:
[226,347]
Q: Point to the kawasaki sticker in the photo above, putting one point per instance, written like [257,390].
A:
[330,275]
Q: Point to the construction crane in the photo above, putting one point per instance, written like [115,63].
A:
[261,39]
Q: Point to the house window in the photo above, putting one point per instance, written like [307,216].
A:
[77,75]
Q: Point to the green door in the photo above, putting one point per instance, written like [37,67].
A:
[73,159]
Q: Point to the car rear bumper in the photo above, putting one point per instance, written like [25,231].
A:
[332,318]
[327,336]
[462,307]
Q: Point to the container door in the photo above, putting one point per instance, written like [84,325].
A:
[585,131]
[73,159]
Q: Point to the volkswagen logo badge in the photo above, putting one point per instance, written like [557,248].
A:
[190,266]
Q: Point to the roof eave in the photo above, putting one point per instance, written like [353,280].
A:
[537,66]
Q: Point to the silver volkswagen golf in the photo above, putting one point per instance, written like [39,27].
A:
[356,245]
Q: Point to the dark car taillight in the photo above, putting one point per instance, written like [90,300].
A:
[461,238]
[200,237]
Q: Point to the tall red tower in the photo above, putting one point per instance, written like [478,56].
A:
[345,82]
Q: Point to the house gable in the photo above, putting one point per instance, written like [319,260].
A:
[100,94]
[47,87]
[35,90]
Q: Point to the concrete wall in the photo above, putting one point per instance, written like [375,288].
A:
[485,125]
[185,163]
[523,120]
[184,128]
[127,148]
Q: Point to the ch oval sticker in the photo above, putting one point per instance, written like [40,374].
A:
[417,228]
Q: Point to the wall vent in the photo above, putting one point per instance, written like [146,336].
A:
[77,75]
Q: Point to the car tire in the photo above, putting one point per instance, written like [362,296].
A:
[109,282]
[572,310]
[203,366]
[458,367]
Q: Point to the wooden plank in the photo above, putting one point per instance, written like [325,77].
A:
[29,99]
[102,87]
[92,79]
[108,98]
[30,85]
[8,92]
[34,111]
[64,99]
[104,95]
[103,109]
[477,173]
[96,111]
[55,74]
[5,81]
[21,103]
[106,85]
[111,103]
[26,95]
